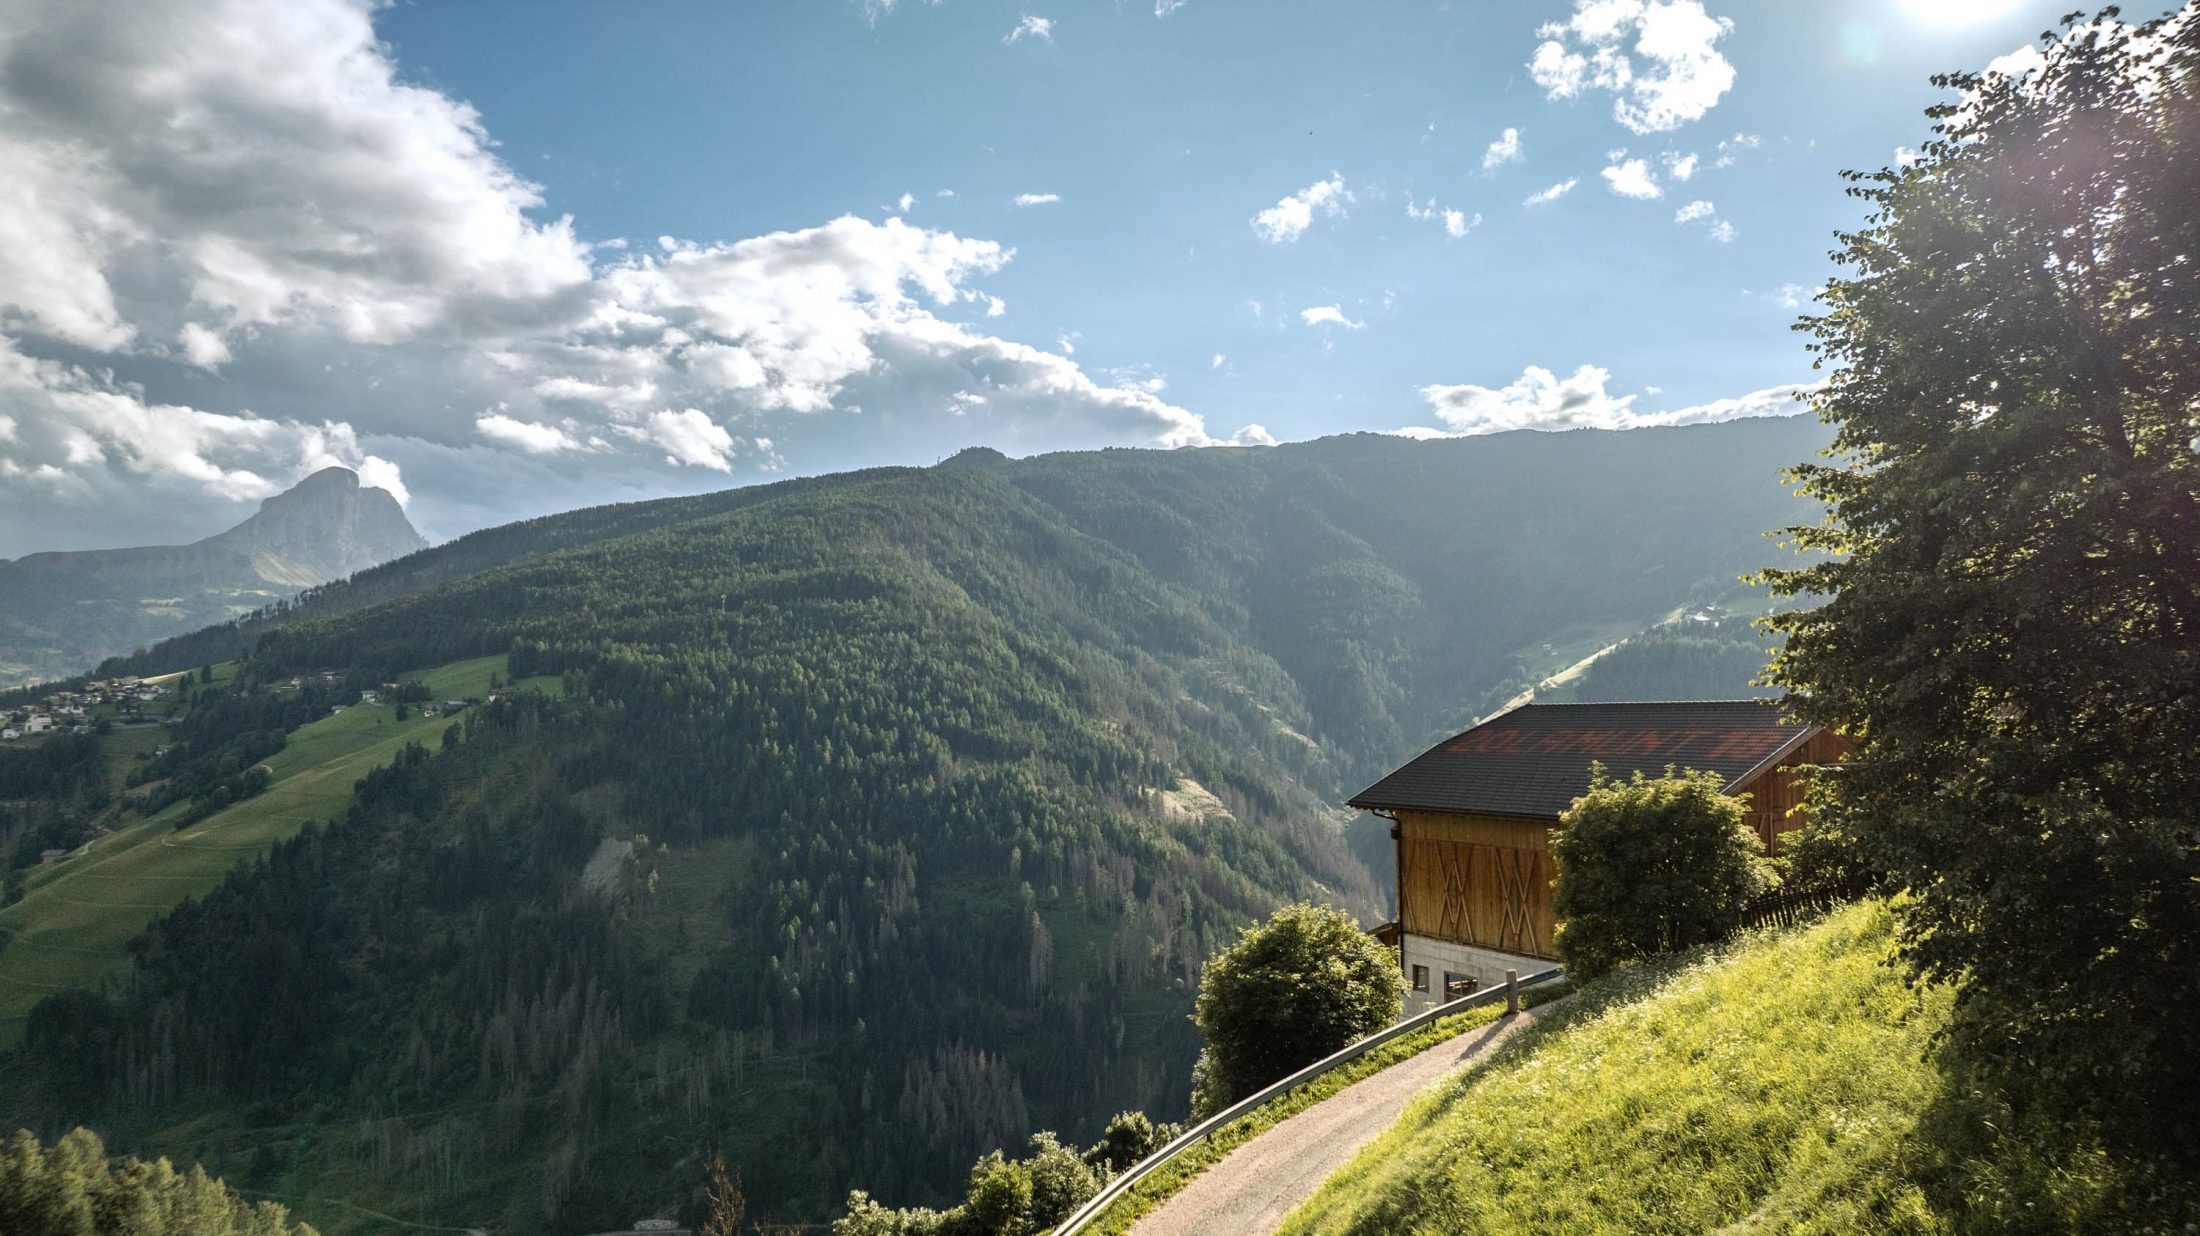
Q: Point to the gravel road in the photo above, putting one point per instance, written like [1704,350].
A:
[1256,1185]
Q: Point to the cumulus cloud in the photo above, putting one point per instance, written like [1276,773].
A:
[1506,149]
[1455,222]
[202,347]
[1679,166]
[1705,213]
[528,436]
[1253,435]
[1540,399]
[1658,58]
[1329,315]
[689,437]
[1036,199]
[79,430]
[252,189]
[1632,178]
[1035,29]
[1544,197]
[1289,219]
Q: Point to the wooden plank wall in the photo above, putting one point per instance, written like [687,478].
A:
[1476,879]
[1774,795]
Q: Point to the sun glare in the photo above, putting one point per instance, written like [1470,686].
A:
[1957,12]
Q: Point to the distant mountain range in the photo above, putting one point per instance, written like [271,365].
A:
[61,613]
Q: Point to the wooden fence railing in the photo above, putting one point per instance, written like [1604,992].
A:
[1787,907]
[1116,1188]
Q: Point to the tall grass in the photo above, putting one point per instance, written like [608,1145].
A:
[1785,1084]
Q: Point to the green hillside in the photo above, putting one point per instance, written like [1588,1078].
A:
[885,818]
[1788,1084]
[73,925]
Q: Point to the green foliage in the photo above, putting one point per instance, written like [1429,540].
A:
[1129,1137]
[1650,865]
[1304,984]
[1784,1085]
[73,1189]
[2014,514]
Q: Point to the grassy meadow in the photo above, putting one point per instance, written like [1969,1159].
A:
[77,916]
[1782,1085]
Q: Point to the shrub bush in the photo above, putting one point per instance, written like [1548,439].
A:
[1289,992]
[1651,865]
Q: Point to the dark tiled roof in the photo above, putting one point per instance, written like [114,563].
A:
[1534,760]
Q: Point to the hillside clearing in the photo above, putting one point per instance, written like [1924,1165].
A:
[74,924]
[1782,1086]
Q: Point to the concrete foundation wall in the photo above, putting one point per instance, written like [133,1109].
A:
[1486,965]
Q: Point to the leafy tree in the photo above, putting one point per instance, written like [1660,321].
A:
[1290,991]
[1650,865]
[1130,1137]
[2010,615]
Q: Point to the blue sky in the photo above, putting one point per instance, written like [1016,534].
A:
[513,257]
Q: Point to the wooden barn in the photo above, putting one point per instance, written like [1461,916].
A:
[1471,817]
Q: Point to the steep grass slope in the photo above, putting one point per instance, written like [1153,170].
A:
[1787,1085]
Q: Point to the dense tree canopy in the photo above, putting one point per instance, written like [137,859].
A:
[2011,620]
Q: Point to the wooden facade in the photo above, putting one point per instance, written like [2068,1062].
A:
[1775,795]
[1485,880]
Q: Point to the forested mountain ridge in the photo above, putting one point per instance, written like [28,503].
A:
[885,817]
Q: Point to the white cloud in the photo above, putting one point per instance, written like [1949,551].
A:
[1455,222]
[1253,435]
[1905,157]
[1036,29]
[68,423]
[1658,58]
[1036,199]
[255,184]
[1506,149]
[1215,363]
[1540,399]
[1543,197]
[203,347]
[1162,8]
[1632,178]
[534,439]
[906,201]
[1704,212]
[1679,166]
[204,150]
[1288,219]
[691,438]
[1732,147]
[1330,315]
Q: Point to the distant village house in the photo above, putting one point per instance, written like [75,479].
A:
[1471,817]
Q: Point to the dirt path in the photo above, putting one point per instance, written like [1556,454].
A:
[1256,1185]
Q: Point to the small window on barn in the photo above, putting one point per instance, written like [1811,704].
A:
[1457,985]
[1420,978]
